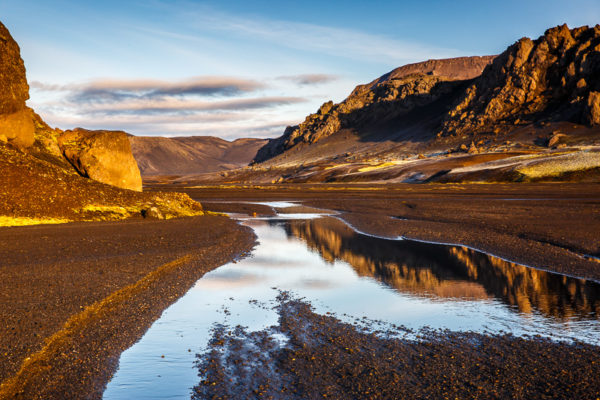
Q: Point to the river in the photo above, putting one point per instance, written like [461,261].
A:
[353,275]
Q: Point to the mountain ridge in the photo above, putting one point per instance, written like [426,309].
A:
[395,93]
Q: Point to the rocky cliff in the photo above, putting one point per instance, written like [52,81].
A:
[553,78]
[390,96]
[45,171]
[16,125]
[103,156]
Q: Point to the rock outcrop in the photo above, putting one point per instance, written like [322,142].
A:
[16,125]
[553,78]
[104,156]
[459,68]
[392,95]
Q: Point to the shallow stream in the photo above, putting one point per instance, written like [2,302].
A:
[353,275]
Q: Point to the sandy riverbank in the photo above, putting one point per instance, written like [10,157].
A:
[74,296]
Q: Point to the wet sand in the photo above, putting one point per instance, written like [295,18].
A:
[549,226]
[326,358]
[74,296]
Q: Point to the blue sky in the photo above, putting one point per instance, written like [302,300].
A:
[244,68]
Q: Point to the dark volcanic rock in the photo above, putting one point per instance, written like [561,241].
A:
[16,125]
[394,94]
[104,156]
[554,78]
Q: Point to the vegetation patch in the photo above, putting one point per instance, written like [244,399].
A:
[378,166]
[6,220]
[561,164]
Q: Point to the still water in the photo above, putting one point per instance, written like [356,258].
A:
[353,275]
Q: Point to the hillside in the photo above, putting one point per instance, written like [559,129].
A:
[531,113]
[397,106]
[191,155]
[51,176]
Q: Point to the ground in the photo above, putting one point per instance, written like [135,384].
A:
[74,296]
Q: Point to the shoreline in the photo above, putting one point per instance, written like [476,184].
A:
[545,226]
[77,295]
[356,361]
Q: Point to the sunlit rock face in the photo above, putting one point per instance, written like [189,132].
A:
[387,97]
[16,124]
[553,78]
[104,156]
[449,271]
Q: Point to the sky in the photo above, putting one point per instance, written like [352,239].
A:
[244,68]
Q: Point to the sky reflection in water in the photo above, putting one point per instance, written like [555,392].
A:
[337,270]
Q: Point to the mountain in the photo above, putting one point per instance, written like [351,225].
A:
[531,113]
[191,155]
[390,108]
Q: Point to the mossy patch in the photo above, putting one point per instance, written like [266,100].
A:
[561,164]
[375,167]
[6,220]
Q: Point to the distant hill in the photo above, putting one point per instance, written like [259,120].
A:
[191,155]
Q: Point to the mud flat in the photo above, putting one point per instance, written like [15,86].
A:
[547,226]
[322,357]
[74,296]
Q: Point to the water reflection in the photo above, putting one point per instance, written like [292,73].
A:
[449,271]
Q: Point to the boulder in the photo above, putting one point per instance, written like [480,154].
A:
[104,156]
[17,128]
[593,105]
[555,138]
[152,213]
[16,125]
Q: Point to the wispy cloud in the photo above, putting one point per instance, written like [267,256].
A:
[111,89]
[179,106]
[331,41]
[274,58]
[228,125]
[187,107]
[309,79]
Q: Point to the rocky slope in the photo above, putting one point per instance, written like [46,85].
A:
[191,155]
[394,94]
[553,78]
[45,171]
[531,113]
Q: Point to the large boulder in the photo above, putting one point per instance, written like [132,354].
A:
[104,156]
[16,124]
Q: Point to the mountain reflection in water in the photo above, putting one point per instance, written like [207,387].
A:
[449,271]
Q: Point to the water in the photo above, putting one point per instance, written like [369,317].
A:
[353,275]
